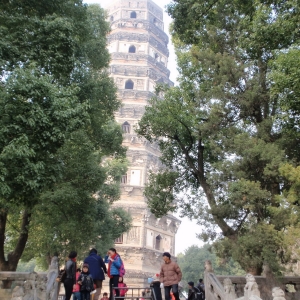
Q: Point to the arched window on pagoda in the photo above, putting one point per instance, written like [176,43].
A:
[126,127]
[124,179]
[133,15]
[129,84]
[158,242]
[119,240]
[132,49]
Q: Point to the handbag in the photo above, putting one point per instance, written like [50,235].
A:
[61,275]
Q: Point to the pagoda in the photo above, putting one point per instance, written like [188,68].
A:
[139,53]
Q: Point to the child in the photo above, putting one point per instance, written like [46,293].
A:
[105,296]
[122,288]
[143,296]
[76,289]
[85,280]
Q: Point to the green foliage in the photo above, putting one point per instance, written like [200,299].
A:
[192,263]
[231,123]
[161,188]
[30,266]
[75,215]
[57,130]
[36,114]
[292,175]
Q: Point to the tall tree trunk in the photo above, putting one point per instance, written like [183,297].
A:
[255,271]
[11,263]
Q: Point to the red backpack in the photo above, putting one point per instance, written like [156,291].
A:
[122,269]
[122,291]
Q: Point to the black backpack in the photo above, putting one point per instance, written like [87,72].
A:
[87,282]
[199,295]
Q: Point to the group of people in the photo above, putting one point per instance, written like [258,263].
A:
[81,283]
[196,292]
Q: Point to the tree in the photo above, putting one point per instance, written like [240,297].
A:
[29,266]
[193,259]
[221,131]
[56,130]
[69,216]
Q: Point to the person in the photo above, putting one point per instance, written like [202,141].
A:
[97,270]
[105,296]
[76,289]
[201,287]
[70,280]
[191,294]
[85,280]
[114,264]
[148,293]
[194,292]
[123,288]
[143,295]
[170,275]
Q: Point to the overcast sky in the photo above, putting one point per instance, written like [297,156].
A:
[186,235]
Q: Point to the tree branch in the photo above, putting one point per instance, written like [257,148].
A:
[199,174]
[3,220]
[188,130]
[14,256]
[200,159]
[54,202]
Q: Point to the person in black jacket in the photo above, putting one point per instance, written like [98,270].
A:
[70,280]
[85,280]
[194,292]
[201,287]
[191,294]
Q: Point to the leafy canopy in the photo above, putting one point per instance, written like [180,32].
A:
[192,263]
[229,125]
[57,130]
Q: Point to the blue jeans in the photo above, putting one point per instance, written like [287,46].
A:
[174,289]
[76,296]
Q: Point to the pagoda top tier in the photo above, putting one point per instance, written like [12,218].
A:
[140,9]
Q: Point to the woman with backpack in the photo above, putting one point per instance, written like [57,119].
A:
[114,265]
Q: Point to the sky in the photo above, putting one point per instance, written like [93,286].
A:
[186,234]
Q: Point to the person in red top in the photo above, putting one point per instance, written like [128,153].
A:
[122,288]
[143,296]
[76,287]
[105,296]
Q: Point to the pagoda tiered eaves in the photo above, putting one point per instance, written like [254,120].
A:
[139,58]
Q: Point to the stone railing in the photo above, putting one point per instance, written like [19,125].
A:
[289,284]
[249,287]
[32,286]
